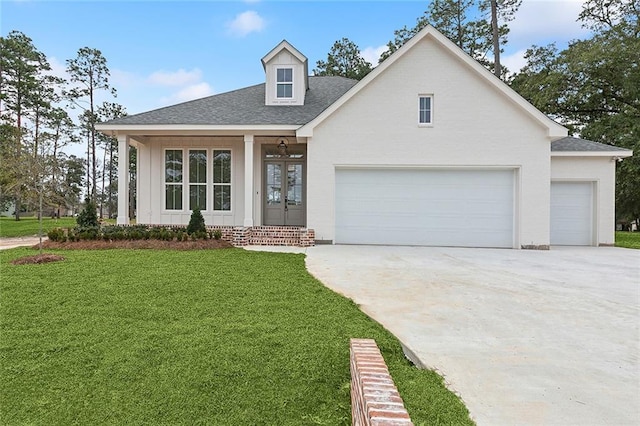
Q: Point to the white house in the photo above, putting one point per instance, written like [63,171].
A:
[428,149]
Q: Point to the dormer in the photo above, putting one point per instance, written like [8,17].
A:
[287,75]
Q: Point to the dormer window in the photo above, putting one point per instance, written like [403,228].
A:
[287,76]
[284,83]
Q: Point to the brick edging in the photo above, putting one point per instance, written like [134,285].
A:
[374,397]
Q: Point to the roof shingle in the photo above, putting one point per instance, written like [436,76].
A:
[570,143]
[246,107]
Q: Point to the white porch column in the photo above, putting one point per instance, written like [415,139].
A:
[248,180]
[123,180]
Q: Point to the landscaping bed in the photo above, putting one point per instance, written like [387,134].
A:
[136,244]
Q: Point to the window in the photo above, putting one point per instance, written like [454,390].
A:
[198,179]
[173,179]
[284,82]
[222,180]
[426,107]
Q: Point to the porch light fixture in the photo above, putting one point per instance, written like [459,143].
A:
[282,146]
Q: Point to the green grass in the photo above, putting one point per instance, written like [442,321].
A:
[628,239]
[188,337]
[28,226]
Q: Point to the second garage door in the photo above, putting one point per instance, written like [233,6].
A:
[432,207]
[572,213]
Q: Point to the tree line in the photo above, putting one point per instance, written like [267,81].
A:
[592,87]
[35,127]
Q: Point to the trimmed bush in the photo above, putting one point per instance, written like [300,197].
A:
[196,223]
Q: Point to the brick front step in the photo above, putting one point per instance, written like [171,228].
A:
[267,235]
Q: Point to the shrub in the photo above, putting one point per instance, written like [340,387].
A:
[56,234]
[88,218]
[217,234]
[88,233]
[196,223]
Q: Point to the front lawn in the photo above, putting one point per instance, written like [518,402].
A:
[224,337]
[628,239]
[29,226]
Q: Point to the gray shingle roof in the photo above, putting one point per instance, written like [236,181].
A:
[576,144]
[246,107]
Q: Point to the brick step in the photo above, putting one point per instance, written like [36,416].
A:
[267,235]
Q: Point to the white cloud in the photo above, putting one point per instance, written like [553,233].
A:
[515,61]
[58,69]
[550,19]
[194,91]
[120,78]
[372,54]
[246,23]
[176,78]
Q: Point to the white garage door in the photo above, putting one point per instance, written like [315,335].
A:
[572,213]
[460,208]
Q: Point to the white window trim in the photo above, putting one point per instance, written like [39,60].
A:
[430,123]
[293,95]
[230,184]
[165,183]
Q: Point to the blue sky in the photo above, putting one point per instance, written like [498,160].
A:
[165,52]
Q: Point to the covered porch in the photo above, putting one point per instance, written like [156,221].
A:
[250,185]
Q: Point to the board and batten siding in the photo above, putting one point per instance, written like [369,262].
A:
[473,126]
[151,166]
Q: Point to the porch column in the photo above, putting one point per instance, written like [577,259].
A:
[248,180]
[123,180]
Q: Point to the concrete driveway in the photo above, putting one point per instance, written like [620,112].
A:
[524,337]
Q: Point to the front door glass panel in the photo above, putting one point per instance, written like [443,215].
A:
[274,184]
[294,185]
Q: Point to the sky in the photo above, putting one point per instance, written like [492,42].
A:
[162,52]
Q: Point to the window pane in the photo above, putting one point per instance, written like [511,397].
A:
[222,197]
[198,166]
[222,166]
[173,165]
[425,103]
[274,183]
[425,109]
[284,75]
[173,197]
[285,91]
[294,185]
[198,197]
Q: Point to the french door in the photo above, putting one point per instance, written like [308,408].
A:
[284,197]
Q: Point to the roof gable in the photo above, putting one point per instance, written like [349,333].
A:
[554,130]
[284,44]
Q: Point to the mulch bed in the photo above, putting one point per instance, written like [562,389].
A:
[125,244]
[137,244]
[38,258]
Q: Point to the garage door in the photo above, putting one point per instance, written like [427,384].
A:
[572,213]
[461,208]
